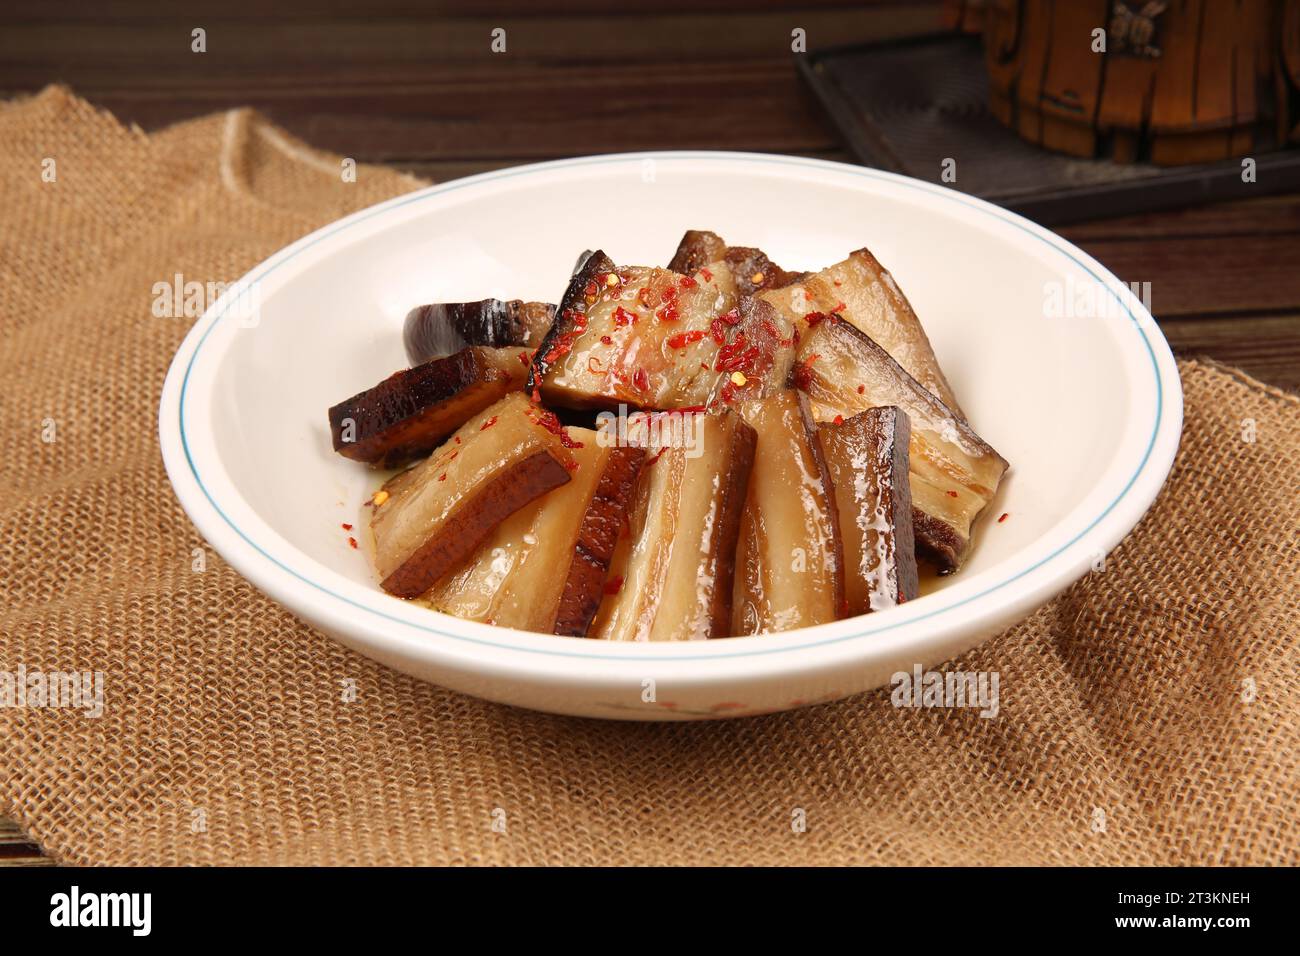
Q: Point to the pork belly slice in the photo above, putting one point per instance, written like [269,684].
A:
[444,328]
[867,456]
[543,568]
[438,514]
[756,359]
[697,249]
[789,560]
[602,526]
[653,339]
[676,584]
[860,290]
[751,270]
[954,473]
[411,412]
[636,335]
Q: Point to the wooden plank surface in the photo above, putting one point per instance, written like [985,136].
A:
[415,85]
[17,848]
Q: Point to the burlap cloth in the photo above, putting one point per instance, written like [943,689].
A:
[1148,716]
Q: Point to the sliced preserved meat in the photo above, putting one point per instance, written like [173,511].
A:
[411,412]
[676,582]
[867,456]
[789,560]
[861,291]
[543,568]
[954,473]
[437,514]
[750,269]
[444,328]
[637,335]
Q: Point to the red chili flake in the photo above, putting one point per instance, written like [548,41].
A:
[667,314]
[771,329]
[717,331]
[488,424]
[704,365]
[731,318]
[669,294]
[708,276]
[346,527]
[1003,518]
[352,542]
[839,419]
[659,454]
[641,380]
[606,340]
[839,307]
[648,297]
[457,439]
[614,585]
[861,389]
[523,357]
[552,424]
[814,319]
[453,456]
[591,288]
[728,353]
[572,463]
[952,494]
[688,283]
[740,362]
[623,317]
[736,356]
[683,339]
[837,281]
[443,476]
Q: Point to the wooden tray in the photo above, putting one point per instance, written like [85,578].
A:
[908,105]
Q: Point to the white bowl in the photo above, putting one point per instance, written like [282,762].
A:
[1088,410]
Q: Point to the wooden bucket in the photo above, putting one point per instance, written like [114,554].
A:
[1165,81]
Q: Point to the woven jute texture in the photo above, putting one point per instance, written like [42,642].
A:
[1148,716]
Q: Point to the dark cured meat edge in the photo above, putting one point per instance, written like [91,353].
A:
[828,494]
[572,303]
[493,323]
[387,417]
[584,587]
[886,424]
[726,533]
[472,520]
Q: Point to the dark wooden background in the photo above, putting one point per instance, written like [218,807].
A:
[415,85]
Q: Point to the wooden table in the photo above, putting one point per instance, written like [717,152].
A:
[392,83]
